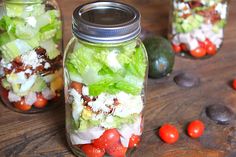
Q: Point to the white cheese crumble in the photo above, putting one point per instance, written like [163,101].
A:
[12,97]
[102,103]
[108,123]
[47,65]
[5,64]
[31,58]
[112,60]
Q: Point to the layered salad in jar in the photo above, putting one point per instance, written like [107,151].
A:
[197,26]
[30,57]
[105,98]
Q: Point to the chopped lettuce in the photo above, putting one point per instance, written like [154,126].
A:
[13,49]
[109,70]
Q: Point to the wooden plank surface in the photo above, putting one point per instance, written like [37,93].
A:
[43,135]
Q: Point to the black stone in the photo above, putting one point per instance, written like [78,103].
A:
[187,80]
[220,114]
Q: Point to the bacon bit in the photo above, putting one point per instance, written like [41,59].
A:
[86,98]
[116,102]
[40,51]
[195,4]
[186,16]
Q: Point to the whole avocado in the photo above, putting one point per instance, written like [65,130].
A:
[160,56]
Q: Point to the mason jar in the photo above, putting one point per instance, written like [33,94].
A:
[31,76]
[197,26]
[104,72]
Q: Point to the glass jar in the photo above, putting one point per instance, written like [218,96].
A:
[30,55]
[104,72]
[197,26]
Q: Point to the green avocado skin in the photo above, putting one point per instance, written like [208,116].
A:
[160,56]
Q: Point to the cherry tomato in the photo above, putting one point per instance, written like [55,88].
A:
[195,129]
[41,102]
[77,86]
[109,137]
[92,151]
[176,48]
[207,42]
[234,84]
[168,133]
[134,141]
[21,105]
[211,49]
[198,52]
[117,150]
[183,47]
[202,44]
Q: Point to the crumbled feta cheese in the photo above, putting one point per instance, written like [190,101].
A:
[85,90]
[192,44]
[129,104]
[184,37]
[31,58]
[12,97]
[97,116]
[112,60]
[102,103]
[47,65]
[5,64]
[198,34]
[30,98]
[31,21]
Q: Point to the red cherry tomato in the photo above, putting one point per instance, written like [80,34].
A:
[116,150]
[202,44]
[211,49]
[77,86]
[134,141]
[198,52]
[168,133]
[183,47]
[234,84]
[109,137]
[41,102]
[207,42]
[21,105]
[176,48]
[195,129]
[92,151]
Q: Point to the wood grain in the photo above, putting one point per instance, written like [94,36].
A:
[43,135]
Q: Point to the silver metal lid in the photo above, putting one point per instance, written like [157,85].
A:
[106,22]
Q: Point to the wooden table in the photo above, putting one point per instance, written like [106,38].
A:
[43,135]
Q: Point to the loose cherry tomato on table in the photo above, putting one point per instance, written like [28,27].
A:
[92,151]
[168,133]
[116,150]
[21,105]
[77,86]
[176,48]
[198,52]
[234,84]
[108,138]
[211,49]
[134,141]
[41,102]
[195,129]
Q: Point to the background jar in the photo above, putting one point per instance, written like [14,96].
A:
[30,60]
[104,72]
[197,26]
